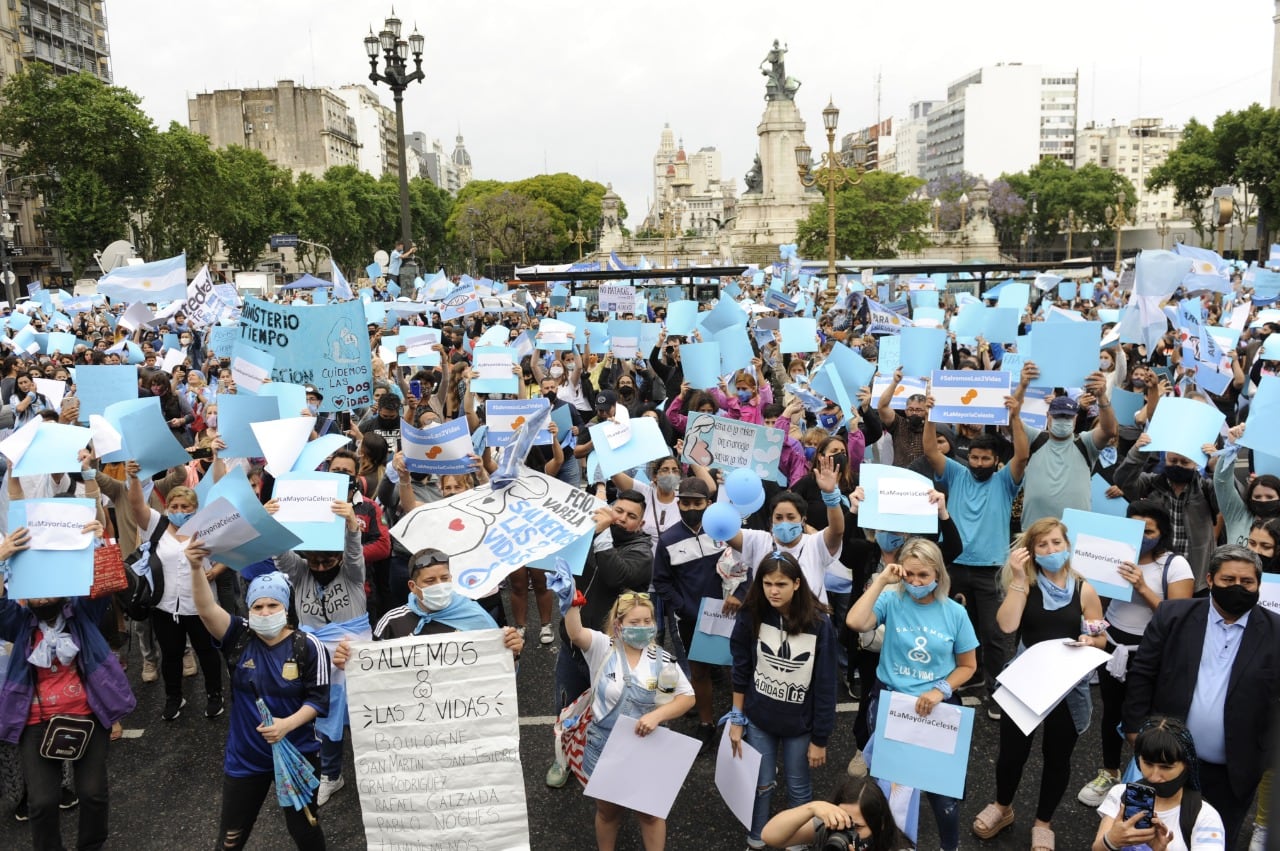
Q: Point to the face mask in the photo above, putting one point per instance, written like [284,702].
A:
[268,626]
[692,517]
[830,422]
[1264,507]
[919,592]
[557,371]
[571,367]
[436,597]
[313,409]
[916,423]
[626,391]
[1234,600]
[1139,384]
[177,518]
[324,577]
[1180,475]
[1104,364]
[550,396]
[787,533]
[638,637]
[810,451]
[1149,544]
[47,611]
[1061,427]
[744,396]
[1054,562]
[668,482]
[982,473]
[890,542]
[1169,788]
[839,461]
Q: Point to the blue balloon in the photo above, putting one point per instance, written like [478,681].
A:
[748,510]
[721,522]
[743,487]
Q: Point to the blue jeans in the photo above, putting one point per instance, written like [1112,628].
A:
[573,677]
[330,758]
[795,771]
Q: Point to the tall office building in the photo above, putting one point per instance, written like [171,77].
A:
[1003,118]
[375,130]
[1134,149]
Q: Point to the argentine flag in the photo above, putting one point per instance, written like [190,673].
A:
[341,288]
[157,281]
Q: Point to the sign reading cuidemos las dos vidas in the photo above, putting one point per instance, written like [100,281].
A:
[435,731]
[322,345]
[712,441]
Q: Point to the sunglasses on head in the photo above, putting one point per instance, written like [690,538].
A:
[430,557]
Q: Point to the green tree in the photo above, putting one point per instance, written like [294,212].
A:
[257,200]
[93,144]
[430,206]
[178,214]
[1192,170]
[1054,192]
[874,219]
[348,211]
[504,226]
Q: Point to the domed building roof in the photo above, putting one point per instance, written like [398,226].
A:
[460,155]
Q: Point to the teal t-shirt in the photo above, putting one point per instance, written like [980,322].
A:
[981,511]
[920,642]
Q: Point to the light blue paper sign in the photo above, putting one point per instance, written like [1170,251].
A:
[921,767]
[646,443]
[725,314]
[329,535]
[60,342]
[147,438]
[681,318]
[235,414]
[735,349]
[1014,295]
[889,350]
[728,444]
[575,554]
[924,298]
[315,452]
[292,397]
[776,301]
[97,387]
[799,335]
[562,416]
[1185,425]
[1000,324]
[510,383]
[1103,504]
[979,394]
[222,338]
[49,573]
[871,517]
[1075,352]
[1261,433]
[1093,538]
[325,345]
[922,350]
[710,649]
[969,322]
[255,357]
[55,449]
[443,449]
[1126,404]
[273,538]
[701,362]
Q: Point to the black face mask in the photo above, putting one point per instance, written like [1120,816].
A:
[1234,600]
[839,461]
[1265,507]
[621,536]
[47,611]
[1180,475]
[1170,787]
[982,473]
[550,396]
[692,517]
[324,577]
[915,423]
[626,391]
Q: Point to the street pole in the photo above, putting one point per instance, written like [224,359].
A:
[405,236]
[831,175]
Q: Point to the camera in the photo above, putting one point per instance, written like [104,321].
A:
[840,840]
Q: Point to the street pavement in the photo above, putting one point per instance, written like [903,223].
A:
[166,784]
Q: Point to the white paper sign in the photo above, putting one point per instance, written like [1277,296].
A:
[1043,675]
[905,496]
[53,390]
[937,731]
[493,365]
[174,357]
[736,777]
[435,731]
[56,526]
[219,527]
[617,431]
[1269,592]
[712,619]
[420,344]
[642,774]
[136,316]
[248,376]
[618,297]
[625,348]
[305,500]
[1099,559]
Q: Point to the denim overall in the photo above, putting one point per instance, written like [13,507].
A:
[636,700]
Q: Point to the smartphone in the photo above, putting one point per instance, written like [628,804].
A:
[415,387]
[1139,798]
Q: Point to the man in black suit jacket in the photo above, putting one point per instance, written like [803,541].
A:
[1214,662]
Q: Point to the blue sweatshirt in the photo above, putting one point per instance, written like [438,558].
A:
[789,681]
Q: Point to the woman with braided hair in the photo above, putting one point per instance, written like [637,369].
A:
[1182,820]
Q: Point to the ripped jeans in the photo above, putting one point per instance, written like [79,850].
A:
[242,799]
[795,772]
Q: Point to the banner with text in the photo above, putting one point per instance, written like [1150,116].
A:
[712,441]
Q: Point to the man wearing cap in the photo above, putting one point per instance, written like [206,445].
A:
[684,571]
[1059,472]
[326,423]
[384,420]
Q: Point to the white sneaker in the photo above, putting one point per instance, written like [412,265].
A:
[545,635]
[1259,840]
[1095,791]
[327,787]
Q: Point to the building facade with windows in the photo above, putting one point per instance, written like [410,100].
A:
[1134,150]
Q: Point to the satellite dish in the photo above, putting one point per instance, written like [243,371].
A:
[115,255]
[381,258]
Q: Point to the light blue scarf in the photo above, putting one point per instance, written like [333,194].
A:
[1054,597]
[461,614]
[54,643]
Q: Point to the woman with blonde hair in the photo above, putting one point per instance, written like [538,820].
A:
[1045,600]
[930,648]
[625,665]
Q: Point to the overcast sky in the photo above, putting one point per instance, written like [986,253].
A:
[551,85]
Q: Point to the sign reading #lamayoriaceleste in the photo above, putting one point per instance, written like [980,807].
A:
[323,345]
[435,731]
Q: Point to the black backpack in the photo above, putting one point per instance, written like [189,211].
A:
[141,598]
[298,650]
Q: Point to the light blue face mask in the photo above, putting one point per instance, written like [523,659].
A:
[1061,427]
[177,518]
[1054,562]
[890,542]
[638,637]
[787,533]
[919,592]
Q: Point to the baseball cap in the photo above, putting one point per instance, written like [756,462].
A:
[310,390]
[606,399]
[1063,406]
[692,487]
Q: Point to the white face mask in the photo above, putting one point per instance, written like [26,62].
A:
[436,597]
[557,371]
[269,626]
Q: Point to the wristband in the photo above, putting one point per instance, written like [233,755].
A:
[1097,627]
[1106,841]
[579,599]
[89,475]
[736,716]
[1021,588]
[832,500]
[945,687]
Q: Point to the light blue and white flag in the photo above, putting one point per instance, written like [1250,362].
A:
[157,281]
[341,288]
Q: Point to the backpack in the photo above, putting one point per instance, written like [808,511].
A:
[141,596]
[296,651]
[1044,437]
